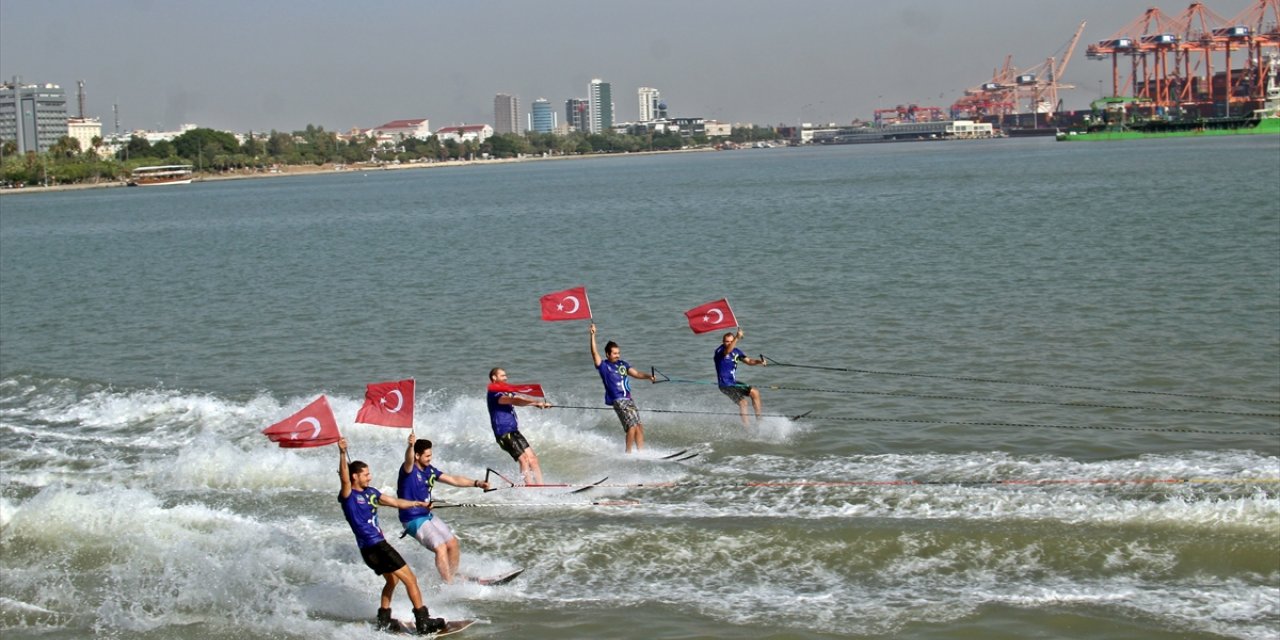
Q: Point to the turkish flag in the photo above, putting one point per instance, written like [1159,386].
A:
[711,316]
[299,444]
[527,388]
[313,426]
[389,404]
[570,304]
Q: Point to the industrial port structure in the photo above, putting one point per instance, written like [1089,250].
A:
[1196,64]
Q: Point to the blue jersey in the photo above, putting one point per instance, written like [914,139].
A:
[727,366]
[614,376]
[416,485]
[502,417]
[361,511]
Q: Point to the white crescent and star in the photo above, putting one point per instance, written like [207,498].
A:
[719,316]
[399,400]
[313,421]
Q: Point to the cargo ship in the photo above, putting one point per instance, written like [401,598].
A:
[1113,112]
[1264,121]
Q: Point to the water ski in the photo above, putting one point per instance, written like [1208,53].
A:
[588,487]
[681,456]
[450,626]
[499,579]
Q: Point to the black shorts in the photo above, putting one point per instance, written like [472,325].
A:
[737,393]
[514,444]
[382,558]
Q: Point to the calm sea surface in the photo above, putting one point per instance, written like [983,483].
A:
[1050,406]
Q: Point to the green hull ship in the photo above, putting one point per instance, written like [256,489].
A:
[1112,111]
[1193,129]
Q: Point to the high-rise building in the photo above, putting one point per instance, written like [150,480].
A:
[600,95]
[33,116]
[506,114]
[543,118]
[649,98]
[577,114]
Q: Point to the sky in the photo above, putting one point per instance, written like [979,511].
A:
[242,65]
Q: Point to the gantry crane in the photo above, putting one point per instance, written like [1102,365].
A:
[1192,39]
[1036,87]
[992,98]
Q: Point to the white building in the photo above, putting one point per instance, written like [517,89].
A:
[600,97]
[649,99]
[84,130]
[474,132]
[401,130]
[153,137]
[715,129]
[969,129]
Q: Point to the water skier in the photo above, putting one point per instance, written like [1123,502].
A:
[614,372]
[727,357]
[360,504]
[416,480]
[506,428]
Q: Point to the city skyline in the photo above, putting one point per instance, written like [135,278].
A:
[240,66]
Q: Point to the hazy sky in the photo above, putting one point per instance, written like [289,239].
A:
[283,64]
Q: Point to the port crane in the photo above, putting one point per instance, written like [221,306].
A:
[1036,87]
[1044,80]
[992,98]
[1168,54]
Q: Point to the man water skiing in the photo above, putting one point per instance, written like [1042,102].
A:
[506,428]
[416,479]
[360,504]
[727,357]
[613,372]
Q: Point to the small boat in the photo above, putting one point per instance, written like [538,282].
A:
[162,174]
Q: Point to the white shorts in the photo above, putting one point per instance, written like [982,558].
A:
[430,531]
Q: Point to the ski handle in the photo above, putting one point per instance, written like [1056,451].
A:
[488,472]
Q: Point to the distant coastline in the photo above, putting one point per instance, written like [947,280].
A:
[301,170]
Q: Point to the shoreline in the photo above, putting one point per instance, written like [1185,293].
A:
[306,170]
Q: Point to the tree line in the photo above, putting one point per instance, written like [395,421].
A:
[215,152]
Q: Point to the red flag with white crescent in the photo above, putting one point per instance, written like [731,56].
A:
[527,388]
[711,316]
[388,404]
[313,426]
[570,304]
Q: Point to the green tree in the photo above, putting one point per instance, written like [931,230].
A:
[451,150]
[65,147]
[252,147]
[162,150]
[506,145]
[16,169]
[138,147]
[319,146]
[202,142]
[668,141]
[280,145]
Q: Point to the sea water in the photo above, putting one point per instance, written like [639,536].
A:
[1050,408]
